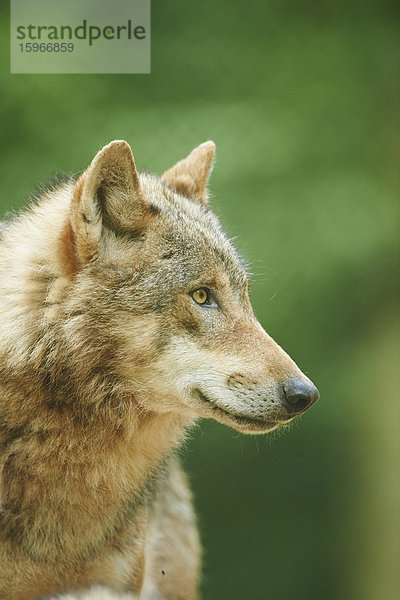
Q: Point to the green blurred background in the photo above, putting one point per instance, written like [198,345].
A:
[301,102]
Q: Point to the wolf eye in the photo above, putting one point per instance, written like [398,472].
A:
[201,296]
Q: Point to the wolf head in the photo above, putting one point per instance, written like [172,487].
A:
[159,289]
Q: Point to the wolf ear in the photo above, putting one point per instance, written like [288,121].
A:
[107,194]
[190,175]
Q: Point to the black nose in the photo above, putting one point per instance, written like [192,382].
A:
[299,395]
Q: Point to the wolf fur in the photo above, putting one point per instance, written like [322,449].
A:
[106,359]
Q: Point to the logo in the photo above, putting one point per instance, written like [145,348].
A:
[80,36]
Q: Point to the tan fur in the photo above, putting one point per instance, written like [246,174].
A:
[190,175]
[106,360]
[96,593]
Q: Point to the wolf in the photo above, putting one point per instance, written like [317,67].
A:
[124,317]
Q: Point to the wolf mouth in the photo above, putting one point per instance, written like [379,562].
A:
[236,417]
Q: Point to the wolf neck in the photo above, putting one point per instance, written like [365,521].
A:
[99,475]
[106,446]
[140,455]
